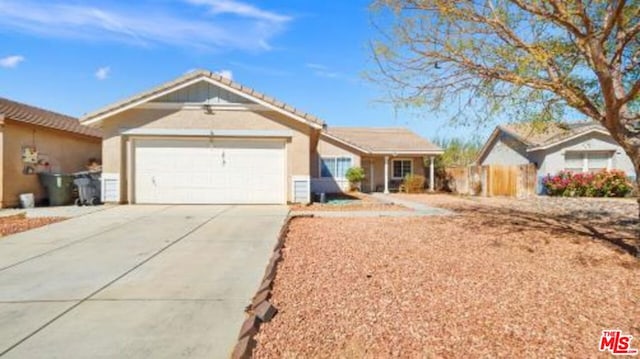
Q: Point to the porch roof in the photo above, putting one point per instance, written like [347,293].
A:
[383,141]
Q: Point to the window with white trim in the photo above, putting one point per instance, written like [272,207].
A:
[334,167]
[587,161]
[574,161]
[401,168]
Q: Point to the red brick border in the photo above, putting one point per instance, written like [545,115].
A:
[261,310]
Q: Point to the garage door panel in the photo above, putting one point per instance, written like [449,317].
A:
[204,171]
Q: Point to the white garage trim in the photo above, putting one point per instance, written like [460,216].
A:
[190,106]
[181,132]
[208,171]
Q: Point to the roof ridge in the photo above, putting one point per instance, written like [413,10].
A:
[192,75]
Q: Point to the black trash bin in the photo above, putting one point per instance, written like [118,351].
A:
[88,184]
[59,188]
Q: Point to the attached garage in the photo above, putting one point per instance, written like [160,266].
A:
[212,171]
[204,139]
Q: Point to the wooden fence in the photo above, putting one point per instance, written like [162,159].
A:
[493,180]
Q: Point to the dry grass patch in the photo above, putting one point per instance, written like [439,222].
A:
[454,286]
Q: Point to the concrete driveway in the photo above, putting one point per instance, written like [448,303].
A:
[134,282]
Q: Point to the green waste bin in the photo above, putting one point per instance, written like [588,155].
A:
[59,188]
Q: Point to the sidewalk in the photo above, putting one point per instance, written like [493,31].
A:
[417,210]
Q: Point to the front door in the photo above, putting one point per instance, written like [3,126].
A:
[367,184]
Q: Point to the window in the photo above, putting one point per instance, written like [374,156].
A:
[598,161]
[335,167]
[587,161]
[401,168]
[574,161]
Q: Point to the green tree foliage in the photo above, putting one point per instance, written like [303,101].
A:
[525,59]
[458,152]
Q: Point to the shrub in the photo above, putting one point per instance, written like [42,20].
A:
[354,175]
[414,183]
[600,184]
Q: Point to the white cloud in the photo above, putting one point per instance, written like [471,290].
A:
[226,73]
[240,9]
[103,73]
[11,61]
[250,28]
[322,71]
[316,66]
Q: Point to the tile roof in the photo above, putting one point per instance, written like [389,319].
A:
[387,140]
[20,112]
[213,76]
[536,134]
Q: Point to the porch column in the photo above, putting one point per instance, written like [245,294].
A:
[431,172]
[371,181]
[386,174]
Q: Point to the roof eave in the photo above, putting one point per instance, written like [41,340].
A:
[16,122]
[486,146]
[180,83]
[566,139]
[345,142]
[396,153]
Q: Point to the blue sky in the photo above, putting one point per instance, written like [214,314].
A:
[75,56]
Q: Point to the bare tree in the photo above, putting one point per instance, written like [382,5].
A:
[525,58]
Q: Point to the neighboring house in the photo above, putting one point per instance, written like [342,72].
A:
[203,138]
[577,147]
[34,140]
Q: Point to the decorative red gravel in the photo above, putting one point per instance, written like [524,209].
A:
[481,283]
[20,223]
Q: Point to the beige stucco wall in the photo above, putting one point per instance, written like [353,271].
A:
[330,148]
[115,147]
[66,153]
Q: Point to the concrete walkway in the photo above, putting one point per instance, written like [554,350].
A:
[134,282]
[417,210]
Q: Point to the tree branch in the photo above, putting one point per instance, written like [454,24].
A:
[610,20]
[555,18]
[632,94]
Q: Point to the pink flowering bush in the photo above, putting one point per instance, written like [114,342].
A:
[600,184]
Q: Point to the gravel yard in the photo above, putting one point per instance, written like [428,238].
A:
[610,220]
[20,223]
[485,282]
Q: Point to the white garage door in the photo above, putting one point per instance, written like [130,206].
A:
[210,171]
